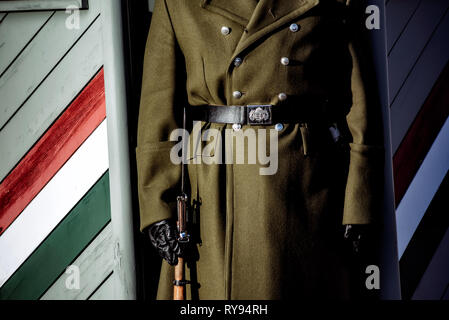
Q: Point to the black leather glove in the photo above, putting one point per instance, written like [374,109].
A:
[163,237]
[363,248]
[359,236]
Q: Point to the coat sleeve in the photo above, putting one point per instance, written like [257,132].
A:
[163,84]
[365,183]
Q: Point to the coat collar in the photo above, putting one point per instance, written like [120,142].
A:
[237,10]
[255,14]
[258,17]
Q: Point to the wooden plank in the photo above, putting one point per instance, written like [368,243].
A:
[18,82]
[53,203]
[16,31]
[421,135]
[105,291]
[61,247]
[433,284]
[39,5]
[424,186]
[425,241]
[50,153]
[116,107]
[398,14]
[95,263]
[51,98]
[419,83]
[413,41]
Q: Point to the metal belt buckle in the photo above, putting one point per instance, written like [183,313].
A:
[259,114]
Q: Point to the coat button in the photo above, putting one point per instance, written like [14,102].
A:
[237,61]
[225,30]
[294,27]
[278,127]
[236,126]
[282,96]
[237,94]
[285,61]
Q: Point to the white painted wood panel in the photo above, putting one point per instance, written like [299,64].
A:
[419,84]
[95,264]
[398,13]
[54,202]
[106,291]
[32,5]
[16,31]
[422,189]
[413,41]
[39,58]
[51,98]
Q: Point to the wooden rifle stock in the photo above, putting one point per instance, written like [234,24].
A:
[179,289]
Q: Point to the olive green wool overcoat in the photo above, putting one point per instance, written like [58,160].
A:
[263,236]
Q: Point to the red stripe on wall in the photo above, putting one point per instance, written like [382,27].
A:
[52,150]
[421,135]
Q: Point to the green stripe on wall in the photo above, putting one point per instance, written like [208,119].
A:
[62,246]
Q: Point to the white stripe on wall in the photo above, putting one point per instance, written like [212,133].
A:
[422,189]
[54,201]
[52,97]
[106,291]
[19,82]
[413,41]
[16,31]
[419,83]
[398,14]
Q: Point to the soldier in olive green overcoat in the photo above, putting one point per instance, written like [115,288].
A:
[264,236]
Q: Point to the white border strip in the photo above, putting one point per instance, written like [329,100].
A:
[38,5]
[124,277]
[54,201]
[421,191]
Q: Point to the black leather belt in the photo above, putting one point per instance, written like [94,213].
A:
[257,114]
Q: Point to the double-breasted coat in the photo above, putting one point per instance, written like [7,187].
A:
[264,236]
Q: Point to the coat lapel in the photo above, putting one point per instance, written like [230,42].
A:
[269,15]
[239,11]
[258,17]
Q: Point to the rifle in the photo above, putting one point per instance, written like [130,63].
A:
[180,282]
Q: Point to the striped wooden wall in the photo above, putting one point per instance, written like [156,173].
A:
[418,58]
[54,178]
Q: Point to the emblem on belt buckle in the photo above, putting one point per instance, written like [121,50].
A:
[259,114]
